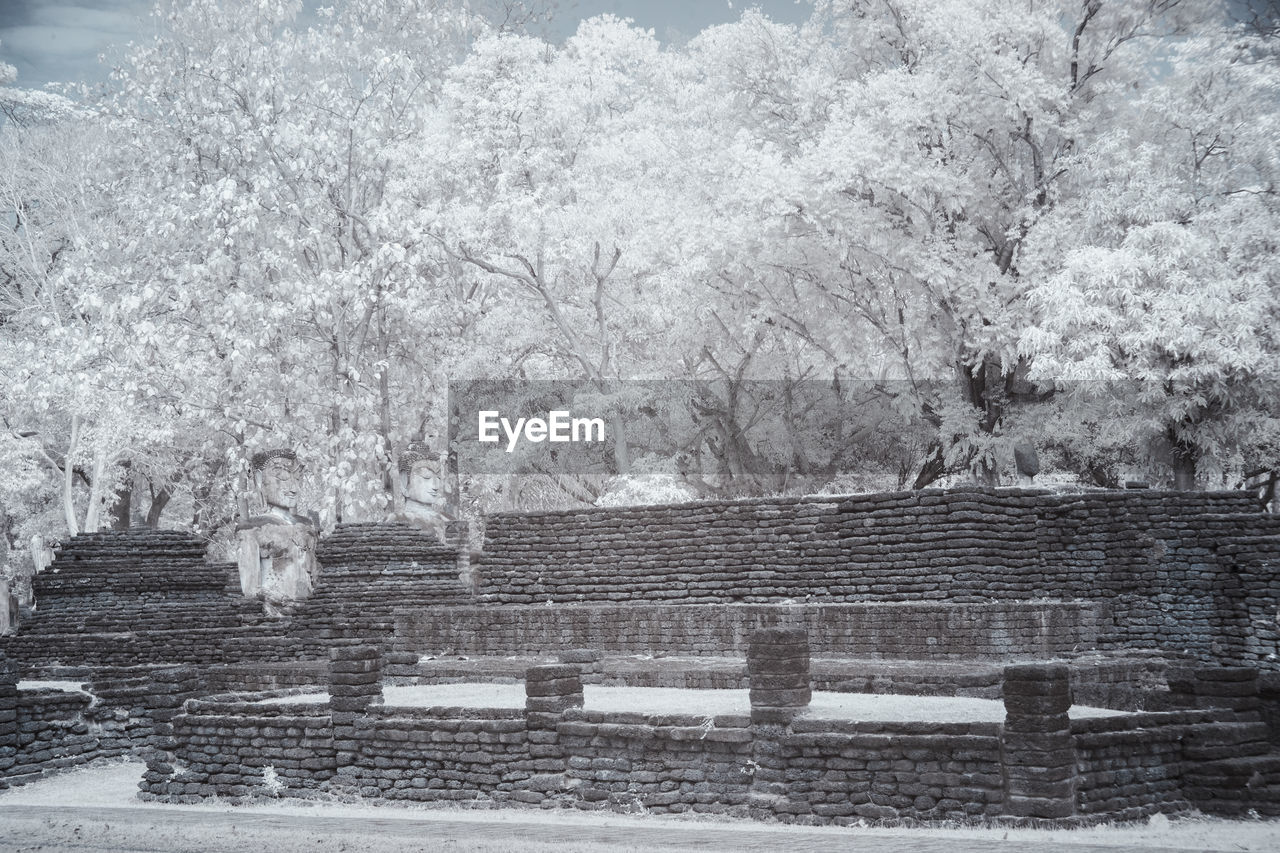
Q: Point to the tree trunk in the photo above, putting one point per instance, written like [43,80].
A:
[983,387]
[932,469]
[621,453]
[158,503]
[68,480]
[94,512]
[1186,458]
[122,505]
[6,528]
[390,476]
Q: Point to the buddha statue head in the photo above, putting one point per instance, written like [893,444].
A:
[276,474]
[420,483]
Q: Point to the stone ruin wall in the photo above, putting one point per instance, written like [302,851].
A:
[952,573]
[933,630]
[770,765]
[150,597]
[44,729]
[775,763]
[1178,571]
[1147,570]
[900,546]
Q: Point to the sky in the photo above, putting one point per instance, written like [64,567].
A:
[61,40]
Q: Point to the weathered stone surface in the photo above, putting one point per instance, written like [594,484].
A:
[988,630]
[1039,755]
[276,558]
[553,672]
[1180,571]
[929,575]
[783,698]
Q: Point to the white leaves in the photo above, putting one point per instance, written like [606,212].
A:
[284,213]
[1155,268]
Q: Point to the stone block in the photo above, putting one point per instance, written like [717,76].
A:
[1033,723]
[773,637]
[770,716]
[780,698]
[554,687]
[1017,806]
[1017,774]
[553,704]
[769,666]
[368,689]
[552,672]
[344,665]
[339,704]
[775,681]
[1036,706]
[1037,672]
[348,653]
[1015,741]
[1039,688]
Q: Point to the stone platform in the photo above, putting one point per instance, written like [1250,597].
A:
[1098,596]
[925,630]
[1120,681]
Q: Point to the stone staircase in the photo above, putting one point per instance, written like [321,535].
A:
[368,570]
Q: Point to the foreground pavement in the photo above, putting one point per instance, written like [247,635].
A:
[95,808]
[179,830]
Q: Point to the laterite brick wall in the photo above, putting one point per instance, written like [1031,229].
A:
[1184,571]
[908,630]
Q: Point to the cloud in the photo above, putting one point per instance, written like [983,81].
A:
[56,41]
[61,42]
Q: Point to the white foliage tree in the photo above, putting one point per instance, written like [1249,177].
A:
[296,233]
[1158,272]
[282,306]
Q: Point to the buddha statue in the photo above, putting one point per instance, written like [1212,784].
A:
[277,544]
[424,500]
[41,554]
[8,608]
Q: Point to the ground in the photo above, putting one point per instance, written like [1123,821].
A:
[93,809]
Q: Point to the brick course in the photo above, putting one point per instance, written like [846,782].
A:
[907,630]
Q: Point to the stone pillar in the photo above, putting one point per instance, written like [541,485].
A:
[8,716]
[588,660]
[778,672]
[1269,703]
[549,691]
[171,687]
[778,675]
[355,683]
[1039,754]
[1217,687]
[1227,769]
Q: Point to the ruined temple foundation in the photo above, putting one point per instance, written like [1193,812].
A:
[1159,606]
